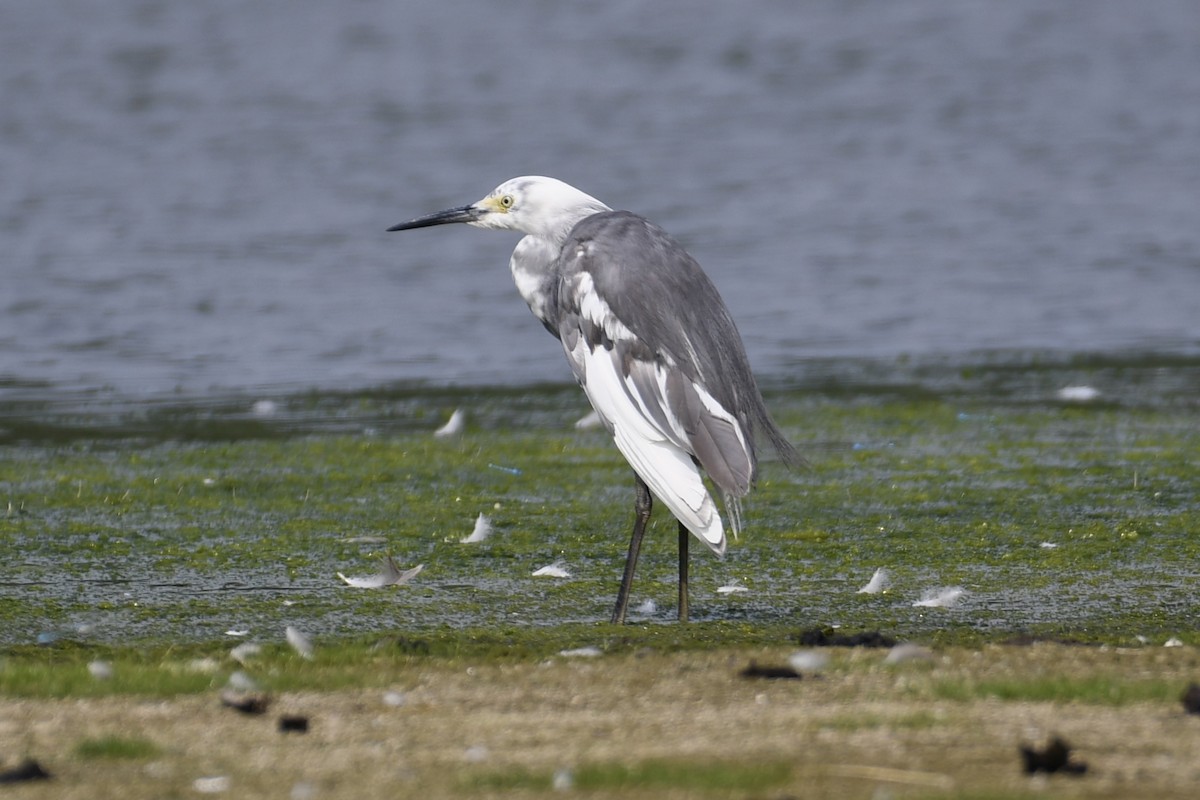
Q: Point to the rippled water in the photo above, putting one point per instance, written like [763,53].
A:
[193,196]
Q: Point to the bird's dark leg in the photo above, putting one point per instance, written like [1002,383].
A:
[684,536]
[642,506]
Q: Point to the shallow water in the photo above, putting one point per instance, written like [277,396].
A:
[194,195]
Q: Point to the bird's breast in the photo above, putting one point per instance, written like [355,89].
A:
[532,266]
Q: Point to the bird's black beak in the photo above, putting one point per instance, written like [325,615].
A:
[462,214]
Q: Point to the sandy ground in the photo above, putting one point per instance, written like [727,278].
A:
[857,729]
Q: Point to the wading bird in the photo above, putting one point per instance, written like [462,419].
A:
[651,343]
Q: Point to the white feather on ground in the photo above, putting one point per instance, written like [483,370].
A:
[880,582]
[648,607]
[732,587]
[299,642]
[241,682]
[264,408]
[556,570]
[213,784]
[946,597]
[582,652]
[482,530]
[1078,394]
[390,575]
[244,652]
[808,660]
[907,651]
[589,420]
[454,425]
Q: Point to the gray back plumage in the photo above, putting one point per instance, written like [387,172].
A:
[677,317]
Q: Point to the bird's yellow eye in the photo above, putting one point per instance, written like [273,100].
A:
[506,201]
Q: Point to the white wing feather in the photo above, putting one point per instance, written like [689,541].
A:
[656,455]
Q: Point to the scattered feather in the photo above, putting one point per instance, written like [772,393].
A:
[556,570]
[252,704]
[755,670]
[732,587]
[364,540]
[589,420]
[1191,699]
[453,426]
[946,597]
[582,652]
[264,408]
[880,582]
[241,682]
[1054,757]
[394,699]
[27,770]
[908,651]
[1078,394]
[391,575]
[1173,642]
[304,791]
[299,642]
[648,607]
[564,780]
[1047,545]
[482,530]
[237,632]
[203,666]
[808,660]
[244,652]
[100,670]
[502,468]
[212,785]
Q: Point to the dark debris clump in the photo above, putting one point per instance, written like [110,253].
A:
[27,770]
[1054,757]
[1191,698]
[827,637]
[755,670]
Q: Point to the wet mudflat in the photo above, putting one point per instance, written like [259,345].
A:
[1038,545]
[1052,514]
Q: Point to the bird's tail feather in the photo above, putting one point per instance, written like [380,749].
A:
[733,507]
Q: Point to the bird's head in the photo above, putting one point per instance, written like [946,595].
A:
[533,205]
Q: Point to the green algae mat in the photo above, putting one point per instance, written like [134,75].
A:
[1044,513]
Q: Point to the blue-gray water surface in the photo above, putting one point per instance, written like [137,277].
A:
[193,196]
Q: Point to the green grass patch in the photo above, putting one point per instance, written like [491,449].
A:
[61,670]
[688,775]
[116,747]
[1109,690]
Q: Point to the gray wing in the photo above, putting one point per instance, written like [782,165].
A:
[628,288]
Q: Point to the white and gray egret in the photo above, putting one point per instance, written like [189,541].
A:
[653,346]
